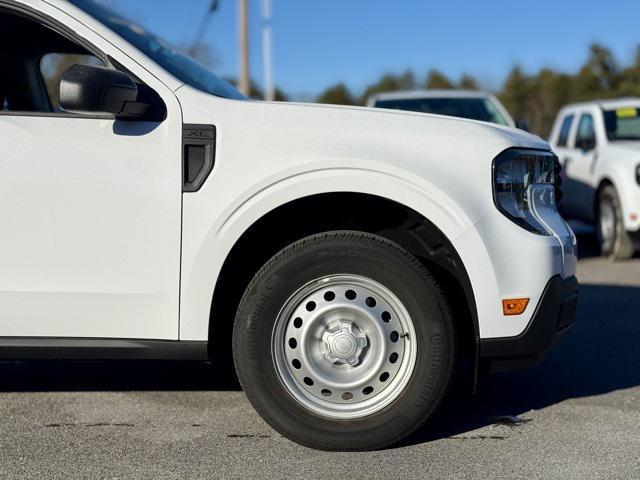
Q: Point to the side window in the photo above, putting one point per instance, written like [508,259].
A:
[53,65]
[35,58]
[586,136]
[565,129]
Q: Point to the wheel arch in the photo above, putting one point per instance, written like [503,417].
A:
[339,211]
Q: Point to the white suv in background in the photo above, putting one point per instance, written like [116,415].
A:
[598,144]
[454,103]
[349,257]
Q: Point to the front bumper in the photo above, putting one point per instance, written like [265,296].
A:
[553,316]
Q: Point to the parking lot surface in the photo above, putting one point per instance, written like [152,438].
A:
[576,415]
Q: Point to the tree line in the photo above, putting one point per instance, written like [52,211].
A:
[533,98]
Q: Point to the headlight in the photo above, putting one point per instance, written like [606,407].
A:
[519,178]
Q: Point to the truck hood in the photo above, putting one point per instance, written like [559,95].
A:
[519,137]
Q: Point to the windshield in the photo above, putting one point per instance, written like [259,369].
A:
[181,66]
[622,123]
[474,108]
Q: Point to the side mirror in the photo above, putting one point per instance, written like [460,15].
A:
[586,144]
[89,89]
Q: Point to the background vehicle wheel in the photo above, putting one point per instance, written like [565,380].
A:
[344,341]
[615,242]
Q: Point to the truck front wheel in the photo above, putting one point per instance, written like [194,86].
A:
[344,341]
[615,242]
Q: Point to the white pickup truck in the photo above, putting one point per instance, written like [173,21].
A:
[347,256]
[598,144]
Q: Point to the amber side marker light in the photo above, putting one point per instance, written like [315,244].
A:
[514,306]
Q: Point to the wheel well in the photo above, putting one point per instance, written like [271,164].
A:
[340,211]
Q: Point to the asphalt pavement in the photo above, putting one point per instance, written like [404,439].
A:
[576,415]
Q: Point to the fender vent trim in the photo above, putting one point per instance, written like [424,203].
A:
[198,155]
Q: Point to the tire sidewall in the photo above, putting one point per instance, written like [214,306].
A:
[384,263]
[607,195]
[623,246]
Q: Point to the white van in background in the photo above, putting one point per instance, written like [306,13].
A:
[453,103]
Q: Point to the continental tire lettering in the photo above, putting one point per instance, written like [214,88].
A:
[260,304]
[426,396]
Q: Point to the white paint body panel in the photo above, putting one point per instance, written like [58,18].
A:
[615,161]
[267,154]
[433,93]
[90,210]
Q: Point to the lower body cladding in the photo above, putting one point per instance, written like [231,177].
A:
[541,269]
[553,316]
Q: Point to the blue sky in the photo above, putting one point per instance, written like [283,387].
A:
[318,43]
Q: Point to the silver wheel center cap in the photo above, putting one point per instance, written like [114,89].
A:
[343,344]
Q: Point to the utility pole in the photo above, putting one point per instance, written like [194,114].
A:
[269,88]
[243,29]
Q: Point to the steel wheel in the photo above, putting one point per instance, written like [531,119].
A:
[607,226]
[344,346]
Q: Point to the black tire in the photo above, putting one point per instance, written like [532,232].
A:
[617,243]
[354,253]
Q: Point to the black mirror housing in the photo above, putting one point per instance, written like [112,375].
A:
[90,89]
[586,144]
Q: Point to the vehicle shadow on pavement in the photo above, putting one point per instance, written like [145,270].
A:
[587,246]
[600,354]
